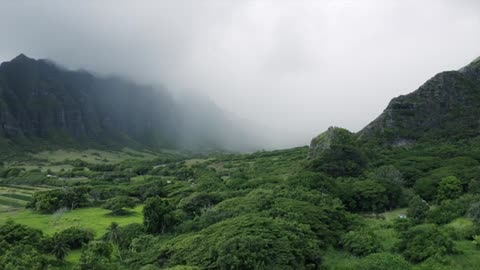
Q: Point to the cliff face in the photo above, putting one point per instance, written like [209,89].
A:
[40,100]
[448,105]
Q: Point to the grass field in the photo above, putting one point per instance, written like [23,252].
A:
[97,219]
[15,197]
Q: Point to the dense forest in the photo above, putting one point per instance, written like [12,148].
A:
[415,208]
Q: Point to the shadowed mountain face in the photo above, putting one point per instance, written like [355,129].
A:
[39,100]
[446,106]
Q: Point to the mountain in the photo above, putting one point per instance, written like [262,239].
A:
[40,101]
[446,106]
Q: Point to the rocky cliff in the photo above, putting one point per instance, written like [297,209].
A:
[41,101]
[446,106]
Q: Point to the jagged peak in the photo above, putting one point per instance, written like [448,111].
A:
[21,57]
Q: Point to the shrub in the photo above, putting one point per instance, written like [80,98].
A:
[118,204]
[417,209]
[424,241]
[474,211]
[74,237]
[361,242]
[476,241]
[383,261]
[449,188]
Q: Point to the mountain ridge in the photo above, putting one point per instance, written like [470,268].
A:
[41,100]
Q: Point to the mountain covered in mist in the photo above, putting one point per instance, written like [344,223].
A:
[42,102]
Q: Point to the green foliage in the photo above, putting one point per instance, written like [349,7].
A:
[118,204]
[383,261]
[392,180]
[476,241]
[425,241]
[448,210]
[52,200]
[363,195]
[450,188]
[361,243]
[96,256]
[74,237]
[248,241]
[22,257]
[474,211]
[60,250]
[340,160]
[158,216]
[17,234]
[417,209]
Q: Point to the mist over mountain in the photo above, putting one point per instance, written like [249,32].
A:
[41,101]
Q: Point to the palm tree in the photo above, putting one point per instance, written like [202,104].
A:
[114,236]
[60,250]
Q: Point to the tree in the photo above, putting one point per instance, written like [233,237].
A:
[60,250]
[417,209]
[340,160]
[449,188]
[392,180]
[157,215]
[96,256]
[361,242]
[382,261]
[118,204]
[425,241]
[74,237]
[474,211]
[114,235]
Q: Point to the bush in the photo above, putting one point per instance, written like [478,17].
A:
[75,237]
[417,209]
[424,241]
[383,261]
[361,242]
[449,188]
[118,204]
[447,211]
[476,241]
[474,211]
[96,255]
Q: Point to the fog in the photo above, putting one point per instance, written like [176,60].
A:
[293,68]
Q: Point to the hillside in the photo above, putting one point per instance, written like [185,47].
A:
[446,107]
[42,104]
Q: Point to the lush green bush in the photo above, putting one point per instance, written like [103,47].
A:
[383,261]
[118,204]
[425,241]
[417,209]
[340,160]
[449,188]
[96,255]
[158,215]
[247,241]
[74,237]
[361,243]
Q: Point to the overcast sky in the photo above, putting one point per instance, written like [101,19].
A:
[298,66]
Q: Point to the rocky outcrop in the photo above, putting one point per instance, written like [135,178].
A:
[448,105]
[333,136]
